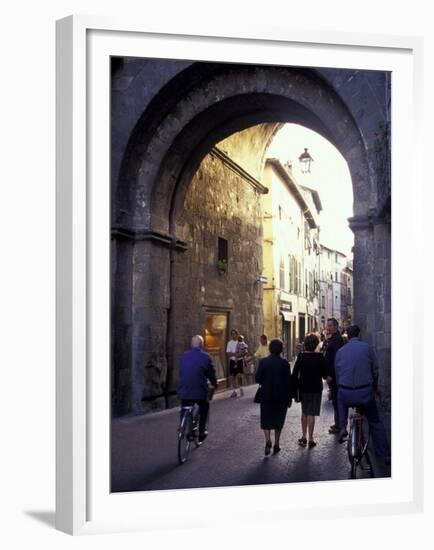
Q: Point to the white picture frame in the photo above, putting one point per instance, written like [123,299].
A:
[84,45]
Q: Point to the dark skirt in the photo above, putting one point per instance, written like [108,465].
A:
[311,403]
[273,414]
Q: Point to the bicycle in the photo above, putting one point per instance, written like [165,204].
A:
[188,429]
[358,440]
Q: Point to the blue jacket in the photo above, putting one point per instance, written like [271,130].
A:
[196,368]
[356,364]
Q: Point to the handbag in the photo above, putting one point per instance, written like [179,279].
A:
[258,395]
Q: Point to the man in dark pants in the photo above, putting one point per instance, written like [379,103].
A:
[195,371]
[356,371]
[333,343]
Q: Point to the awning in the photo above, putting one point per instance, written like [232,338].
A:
[287,315]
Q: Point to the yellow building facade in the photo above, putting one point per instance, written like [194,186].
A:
[290,257]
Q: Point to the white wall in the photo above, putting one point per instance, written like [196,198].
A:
[27,274]
[288,240]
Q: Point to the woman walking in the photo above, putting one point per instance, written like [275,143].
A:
[274,377]
[309,372]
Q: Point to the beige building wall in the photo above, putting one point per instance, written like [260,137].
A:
[288,265]
[333,284]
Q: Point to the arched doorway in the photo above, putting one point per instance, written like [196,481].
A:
[203,105]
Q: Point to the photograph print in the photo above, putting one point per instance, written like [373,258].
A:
[250,274]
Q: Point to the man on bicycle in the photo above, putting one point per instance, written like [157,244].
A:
[356,371]
[195,371]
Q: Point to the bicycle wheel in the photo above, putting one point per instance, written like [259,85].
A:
[352,441]
[352,447]
[364,440]
[185,439]
[195,426]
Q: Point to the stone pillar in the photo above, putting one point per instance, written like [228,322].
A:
[382,235]
[372,292]
[121,327]
[139,317]
[364,277]
[150,295]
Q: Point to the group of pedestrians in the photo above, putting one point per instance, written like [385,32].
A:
[238,355]
[278,387]
[350,369]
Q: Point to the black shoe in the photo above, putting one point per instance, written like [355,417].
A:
[202,437]
[302,441]
[268,448]
[276,449]
[311,444]
[334,430]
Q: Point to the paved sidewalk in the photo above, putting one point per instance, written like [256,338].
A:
[144,453]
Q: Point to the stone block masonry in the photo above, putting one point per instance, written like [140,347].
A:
[167,214]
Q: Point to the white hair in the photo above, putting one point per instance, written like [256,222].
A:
[197,341]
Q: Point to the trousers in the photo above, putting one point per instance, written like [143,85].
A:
[364,397]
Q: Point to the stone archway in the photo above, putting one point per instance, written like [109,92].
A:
[208,104]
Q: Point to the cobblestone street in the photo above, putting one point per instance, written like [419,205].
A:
[144,455]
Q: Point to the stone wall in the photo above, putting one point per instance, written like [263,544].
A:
[134,85]
[383,333]
[165,116]
[173,290]
[140,293]
[219,203]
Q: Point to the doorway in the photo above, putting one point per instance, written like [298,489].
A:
[216,327]
[301,326]
[287,339]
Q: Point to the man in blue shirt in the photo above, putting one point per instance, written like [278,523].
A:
[356,369]
[195,371]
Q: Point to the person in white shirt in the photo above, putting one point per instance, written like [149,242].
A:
[262,350]
[235,364]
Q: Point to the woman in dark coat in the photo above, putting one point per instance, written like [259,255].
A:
[309,372]
[274,377]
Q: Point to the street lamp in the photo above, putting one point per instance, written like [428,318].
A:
[305,161]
